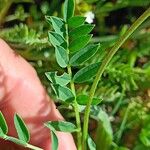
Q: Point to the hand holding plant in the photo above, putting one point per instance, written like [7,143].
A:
[21,92]
[70,38]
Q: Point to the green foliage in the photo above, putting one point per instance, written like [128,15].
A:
[54,140]
[84,54]
[126,78]
[91,144]
[3,124]
[79,43]
[22,131]
[68,11]
[61,80]
[61,56]
[57,23]
[21,128]
[83,99]
[76,21]
[86,73]
[63,93]
[59,126]
[56,39]
[63,126]
[81,30]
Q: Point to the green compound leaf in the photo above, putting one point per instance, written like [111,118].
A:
[79,43]
[56,39]
[21,129]
[63,126]
[91,144]
[69,7]
[80,31]
[63,93]
[84,54]
[54,140]
[83,99]
[55,79]
[86,73]
[3,124]
[61,56]
[58,24]
[76,21]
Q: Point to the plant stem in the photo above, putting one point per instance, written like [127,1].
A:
[3,12]
[33,147]
[116,108]
[119,134]
[77,114]
[76,109]
[26,145]
[103,66]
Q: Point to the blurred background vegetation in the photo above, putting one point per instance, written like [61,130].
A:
[122,120]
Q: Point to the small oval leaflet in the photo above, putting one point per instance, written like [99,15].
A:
[80,31]
[3,124]
[63,93]
[79,43]
[57,24]
[56,39]
[69,7]
[76,21]
[83,100]
[62,80]
[61,56]
[21,129]
[54,140]
[63,126]
[86,73]
[91,144]
[84,54]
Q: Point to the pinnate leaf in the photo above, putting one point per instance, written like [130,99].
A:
[55,79]
[86,73]
[84,54]
[21,129]
[79,43]
[76,21]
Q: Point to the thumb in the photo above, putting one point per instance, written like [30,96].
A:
[23,93]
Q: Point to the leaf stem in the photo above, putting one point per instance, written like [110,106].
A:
[26,145]
[103,66]
[122,127]
[77,114]
[76,109]
[33,147]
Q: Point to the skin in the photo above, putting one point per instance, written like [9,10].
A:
[22,92]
